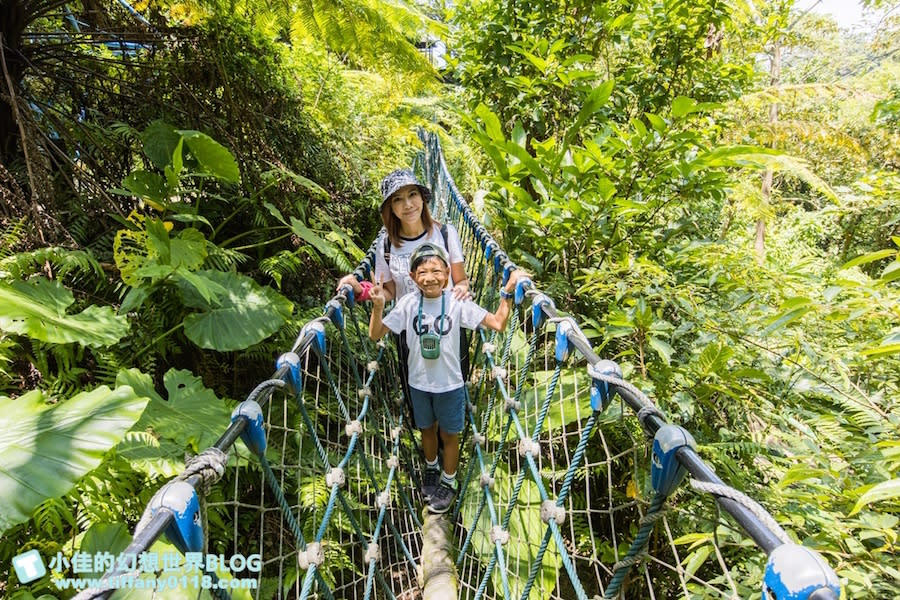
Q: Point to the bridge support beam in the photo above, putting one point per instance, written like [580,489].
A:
[439,577]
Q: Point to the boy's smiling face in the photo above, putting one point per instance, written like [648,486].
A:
[431,275]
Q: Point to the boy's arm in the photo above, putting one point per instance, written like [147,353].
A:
[497,321]
[377,328]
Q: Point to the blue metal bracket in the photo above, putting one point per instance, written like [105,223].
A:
[798,573]
[538,316]
[666,472]
[337,314]
[292,362]
[521,285]
[507,271]
[254,435]
[317,328]
[186,530]
[349,293]
[562,340]
[601,395]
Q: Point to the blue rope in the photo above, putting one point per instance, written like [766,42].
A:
[637,547]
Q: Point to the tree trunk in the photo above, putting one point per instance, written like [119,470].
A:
[768,177]
[12,26]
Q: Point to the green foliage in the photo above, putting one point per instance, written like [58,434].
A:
[783,370]
[191,415]
[46,449]
[37,309]
[528,528]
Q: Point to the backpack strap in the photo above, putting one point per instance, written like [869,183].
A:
[444,235]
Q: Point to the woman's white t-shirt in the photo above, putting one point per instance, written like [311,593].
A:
[400,253]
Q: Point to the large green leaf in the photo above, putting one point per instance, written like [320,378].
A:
[191,416]
[160,140]
[37,309]
[566,406]
[45,449]
[526,529]
[147,185]
[104,537]
[756,157]
[246,314]
[213,156]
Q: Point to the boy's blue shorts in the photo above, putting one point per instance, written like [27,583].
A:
[447,408]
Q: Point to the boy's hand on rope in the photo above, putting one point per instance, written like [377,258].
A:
[514,279]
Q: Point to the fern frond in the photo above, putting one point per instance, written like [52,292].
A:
[64,262]
[285,263]
[11,236]
[54,519]
[223,259]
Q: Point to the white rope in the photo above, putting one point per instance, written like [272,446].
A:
[209,465]
[725,491]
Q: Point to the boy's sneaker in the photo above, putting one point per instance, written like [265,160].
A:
[430,481]
[442,498]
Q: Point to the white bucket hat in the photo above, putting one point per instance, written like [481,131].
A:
[398,179]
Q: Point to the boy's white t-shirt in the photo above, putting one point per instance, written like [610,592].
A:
[400,253]
[443,373]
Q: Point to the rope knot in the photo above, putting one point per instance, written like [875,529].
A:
[630,561]
[478,439]
[645,412]
[653,517]
[527,446]
[393,462]
[314,555]
[395,433]
[335,477]
[209,465]
[353,427]
[549,510]
[489,348]
[498,534]
[499,373]
[381,344]
[364,391]
[512,405]
[373,552]
[486,481]
[372,366]
[383,500]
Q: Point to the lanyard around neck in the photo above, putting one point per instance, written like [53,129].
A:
[443,300]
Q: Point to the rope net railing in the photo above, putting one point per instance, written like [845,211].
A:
[569,480]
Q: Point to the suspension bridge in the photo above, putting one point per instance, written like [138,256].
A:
[573,485]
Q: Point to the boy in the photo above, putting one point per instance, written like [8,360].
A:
[431,319]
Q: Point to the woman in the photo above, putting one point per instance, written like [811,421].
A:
[408,222]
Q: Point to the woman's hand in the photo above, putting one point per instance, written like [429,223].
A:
[461,291]
[349,280]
